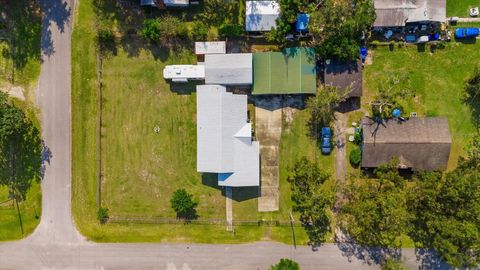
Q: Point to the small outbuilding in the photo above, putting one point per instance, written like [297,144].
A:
[345,75]
[418,143]
[397,13]
[261,16]
[233,69]
[292,71]
[210,47]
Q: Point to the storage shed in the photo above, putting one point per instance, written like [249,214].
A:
[261,16]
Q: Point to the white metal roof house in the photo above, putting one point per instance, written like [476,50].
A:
[229,69]
[224,138]
[397,13]
[211,47]
[184,73]
[260,16]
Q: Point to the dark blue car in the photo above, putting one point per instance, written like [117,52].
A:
[326,140]
[466,32]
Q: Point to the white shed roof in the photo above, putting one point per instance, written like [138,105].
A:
[212,47]
[229,69]
[184,72]
[261,15]
[224,141]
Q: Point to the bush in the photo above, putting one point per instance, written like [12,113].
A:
[151,29]
[106,37]
[102,215]
[183,204]
[199,31]
[357,137]
[355,157]
[285,264]
[212,34]
[230,30]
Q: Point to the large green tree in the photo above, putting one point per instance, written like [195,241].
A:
[322,108]
[472,95]
[20,149]
[338,25]
[447,210]
[375,213]
[311,199]
[184,204]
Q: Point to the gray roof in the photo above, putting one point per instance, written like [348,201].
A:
[229,69]
[224,139]
[345,75]
[400,12]
[419,143]
[261,16]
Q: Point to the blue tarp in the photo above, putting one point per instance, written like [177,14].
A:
[410,38]
[363,53]
[396,113]
[302,22]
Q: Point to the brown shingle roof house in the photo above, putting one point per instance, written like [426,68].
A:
[418,143]
[343,75]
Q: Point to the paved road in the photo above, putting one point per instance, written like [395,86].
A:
[56,244]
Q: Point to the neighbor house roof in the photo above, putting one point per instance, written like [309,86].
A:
[210,47]
[418,143]
[228,69]
[261,15]
[400,12]
[344,75]
[224,137]
[292,71]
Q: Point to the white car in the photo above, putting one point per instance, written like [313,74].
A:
[474,12]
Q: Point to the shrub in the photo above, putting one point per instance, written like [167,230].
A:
[357,137]
[230,30]
[355,157]
[183,204]
[151,29]
[212,34]
[285,264]
[199,31]
[106,37]
[102,215]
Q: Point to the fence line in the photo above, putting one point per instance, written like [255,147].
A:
[162,220]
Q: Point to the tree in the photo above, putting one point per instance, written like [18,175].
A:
[183,204]
[355,157]
[285,264]
[311,199]
[322,108]
[151,30]
[392,264]
[446,209]
[472,95]
[278,34]
[338,25]
[163,30]
[20,149]
[375,213]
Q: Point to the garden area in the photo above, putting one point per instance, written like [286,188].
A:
[148,145]
[20,24]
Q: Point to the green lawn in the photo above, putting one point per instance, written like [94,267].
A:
[438,79]
[141,168]
[460,8]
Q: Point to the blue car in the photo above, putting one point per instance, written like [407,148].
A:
[326,140]
[466,32]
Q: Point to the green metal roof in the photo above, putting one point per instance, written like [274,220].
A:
[291,71]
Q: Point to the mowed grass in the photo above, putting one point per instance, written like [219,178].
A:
[460,8]
[438,79]
[141,167]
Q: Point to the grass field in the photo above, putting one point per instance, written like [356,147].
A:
[142,168]
[438,79]
[460,8]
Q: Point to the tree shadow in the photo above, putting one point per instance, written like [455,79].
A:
[57,12]
[369,255]
[429,259]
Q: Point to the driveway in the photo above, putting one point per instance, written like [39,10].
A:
[56,244]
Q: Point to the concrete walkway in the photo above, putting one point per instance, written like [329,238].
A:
[228,208]
[268,130]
